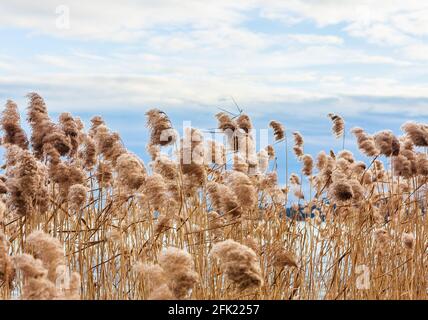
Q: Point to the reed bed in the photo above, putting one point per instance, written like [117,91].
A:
[81,217]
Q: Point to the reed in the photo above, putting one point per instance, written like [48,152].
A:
[82,217]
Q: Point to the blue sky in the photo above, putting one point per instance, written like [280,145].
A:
[293,61]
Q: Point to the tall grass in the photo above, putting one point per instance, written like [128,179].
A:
[81,217]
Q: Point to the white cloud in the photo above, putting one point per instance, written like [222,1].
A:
[383,87]
[133,91]
[326,55]
[316,39]
[130,20]
[381,21]
[221,38]
[413,22]
[194,53]
[417,52]
[55,61]
[5,66]
[119,21]
[378,33]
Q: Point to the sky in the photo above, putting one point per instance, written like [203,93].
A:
[292,60]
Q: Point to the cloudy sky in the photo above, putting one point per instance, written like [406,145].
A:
[291,60]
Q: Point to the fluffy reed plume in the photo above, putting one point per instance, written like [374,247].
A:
[244,190]
[7,271]
[48,250]
[104,174]
[66,175]
[294,179]
[270,151]
[408,240]
[244,123]
[406,143]
[279,195]
[89,153]
[161,131]
[46,136]
[298,144]
[26,182]
[326,165]
[269,181]
[338,125]
[382,239]
[158,281]
[131,172]
[342,170]
[3,187]
[229,127]
[153,150]
[166,167]
[422,164]
[46,272]
[11,125]
[365,142]
[341,191]
[405,164]
[225,122]
[321,160]
[279,257]
[378,166]
[77,196]
[108,144]
[239,263]
[37,286]
[357,189]
[70,127]
[278,130]
[194,177]
[223,199]
[308,164]
[358,168]
[156,190]
[178,265]
[215,225]
[173,278]
[367,178]
[96,121]
[346,155]
[417,132]
[387,143]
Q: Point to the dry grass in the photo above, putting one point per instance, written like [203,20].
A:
[79,210]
